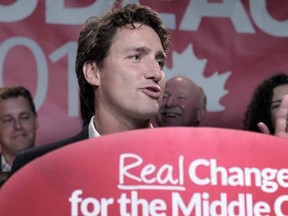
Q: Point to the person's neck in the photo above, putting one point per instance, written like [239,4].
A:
[107,124]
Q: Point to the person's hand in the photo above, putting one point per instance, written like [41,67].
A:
[263,128]
[281,123]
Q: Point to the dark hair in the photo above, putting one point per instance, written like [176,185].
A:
[259,109]
[96,38]
[8,92]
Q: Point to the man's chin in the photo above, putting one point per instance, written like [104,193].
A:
[171,122]
[23,144]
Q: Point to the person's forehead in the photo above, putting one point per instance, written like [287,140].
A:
[134,31]
[280,91]
[181,86]
[14,104]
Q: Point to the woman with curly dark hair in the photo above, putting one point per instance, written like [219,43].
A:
[265,104]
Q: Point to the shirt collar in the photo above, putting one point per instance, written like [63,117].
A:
[5,167]
[93,131]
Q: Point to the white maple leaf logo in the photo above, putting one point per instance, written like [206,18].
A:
[188,65]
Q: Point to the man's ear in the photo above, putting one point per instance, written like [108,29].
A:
[37,122]
[91,73]
[201,114]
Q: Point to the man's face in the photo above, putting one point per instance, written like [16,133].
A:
[132,79]
[278,93]
[180,104]
[17,125]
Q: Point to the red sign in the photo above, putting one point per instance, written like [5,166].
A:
[162,171]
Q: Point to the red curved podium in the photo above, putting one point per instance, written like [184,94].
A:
[160,171]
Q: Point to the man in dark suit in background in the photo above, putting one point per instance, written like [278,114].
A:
[119,66]
[18,123]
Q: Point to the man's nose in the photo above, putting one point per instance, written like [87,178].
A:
[17,124]
[170,101]
[154,72]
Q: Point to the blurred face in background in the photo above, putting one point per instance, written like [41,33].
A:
[278,93]
[180,104]
[18,125]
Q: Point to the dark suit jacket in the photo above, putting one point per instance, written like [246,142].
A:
[0,162]
[3,175]
[24,157]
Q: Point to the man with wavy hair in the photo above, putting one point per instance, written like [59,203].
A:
[119,66]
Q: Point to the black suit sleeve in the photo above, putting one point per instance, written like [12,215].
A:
[26,156]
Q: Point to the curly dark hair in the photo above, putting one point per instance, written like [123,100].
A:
[259,108]
[96,38]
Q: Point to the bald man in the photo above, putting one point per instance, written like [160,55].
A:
[183,104]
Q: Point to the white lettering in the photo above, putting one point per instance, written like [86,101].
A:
[193,174]
[178,204]
[281,204]
[69,50]
[58,14]
[282,177]
[123,202]
[75,199]
[96,206]
[17,11]
[267,179]
[131,168]
[233,9]
[42,68]
[201,205]
[123,170]
[265,21]
[156,207]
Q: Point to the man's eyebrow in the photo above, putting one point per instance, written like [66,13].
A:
[24,112]
[162,55]
[5,116]
[276,101]
[141,49]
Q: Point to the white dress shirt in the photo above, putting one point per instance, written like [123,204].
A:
[92,131]
[5,167]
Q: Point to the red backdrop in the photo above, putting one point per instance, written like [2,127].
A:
[227,47]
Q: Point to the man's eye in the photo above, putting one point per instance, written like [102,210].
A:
[275,106]
[25,117]
[181,97]
[7,120]
[166,95]
[135,57]
[161,64]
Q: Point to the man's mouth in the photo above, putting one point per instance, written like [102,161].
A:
[152,91]
[171,113]
[19,136]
